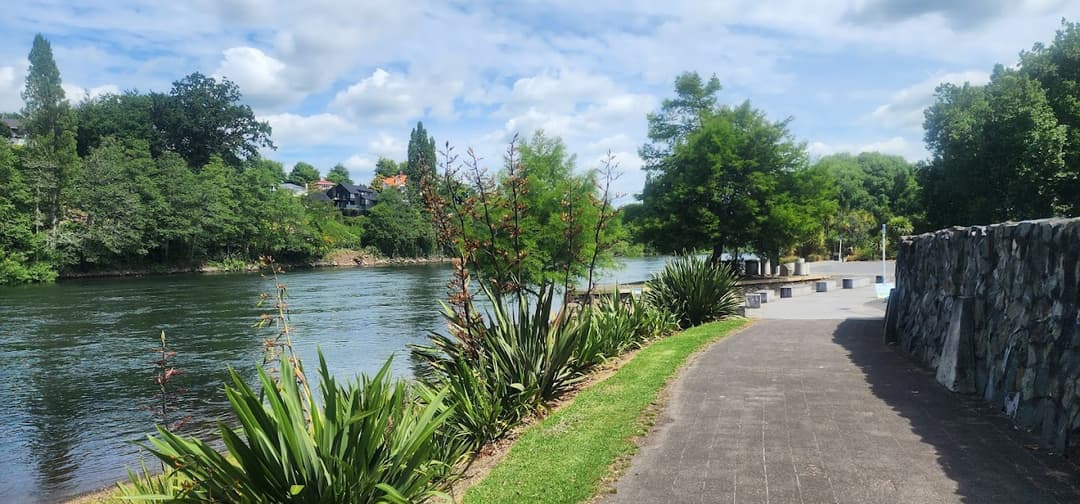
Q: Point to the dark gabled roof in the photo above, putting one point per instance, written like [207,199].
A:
[11,123]
[360,190]
[319,196]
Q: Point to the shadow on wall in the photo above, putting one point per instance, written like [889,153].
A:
[977,447]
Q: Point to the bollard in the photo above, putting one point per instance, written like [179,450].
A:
[753,301]
[879,279]
[764,295]
[848,283]
[821,286]
[785,292]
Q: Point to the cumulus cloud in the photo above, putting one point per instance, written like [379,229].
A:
[11,84]
[76,94]
[262,78]
[388,146]
[386,97]
[290,130]
[905,107]
[361,168]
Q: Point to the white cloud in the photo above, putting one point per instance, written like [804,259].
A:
[361,168]
[388,146]
[262,79]
[905,107]
[290,130]
[10,88]
[386,97]
[898,145]
[77,94]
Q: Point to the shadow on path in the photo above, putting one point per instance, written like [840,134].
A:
[976,446]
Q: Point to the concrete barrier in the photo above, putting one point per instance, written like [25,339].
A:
[795,290]
[764,295]
[824,285]
[753,301]
[851,283]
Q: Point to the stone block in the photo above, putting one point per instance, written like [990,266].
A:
[851,283]
[956,363]
[753,301]
[824,285]
[764,295]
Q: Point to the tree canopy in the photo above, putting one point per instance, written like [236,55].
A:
[725,177]
[303,174]
[339,174]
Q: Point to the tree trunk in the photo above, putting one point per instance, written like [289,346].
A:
[717,254]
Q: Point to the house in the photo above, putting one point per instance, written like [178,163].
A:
[323,185]
[395,181]
[352,199]
[14,127]
[296,189]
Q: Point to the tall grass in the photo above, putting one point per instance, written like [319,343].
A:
[695,290]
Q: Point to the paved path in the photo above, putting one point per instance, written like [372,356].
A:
[809,411]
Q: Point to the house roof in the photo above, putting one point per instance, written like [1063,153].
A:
[356,188]
[319,196]
[325,182]
[395,181]
[11,123]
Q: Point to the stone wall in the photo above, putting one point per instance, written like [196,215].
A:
[993,309]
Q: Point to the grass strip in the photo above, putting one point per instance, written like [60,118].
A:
[563,458]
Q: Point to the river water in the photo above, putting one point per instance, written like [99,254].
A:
[76,357]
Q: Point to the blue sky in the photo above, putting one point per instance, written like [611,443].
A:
[345,81]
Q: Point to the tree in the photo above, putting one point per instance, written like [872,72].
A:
[1057,69]
[125,115]
[385,168]
[202,117]
[993,149]
[303,174]
[23,257]
[398,228]
[729,183]
[50,126]
[339,175]
[421,157]
[678,117]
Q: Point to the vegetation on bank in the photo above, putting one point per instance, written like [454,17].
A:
[566,456]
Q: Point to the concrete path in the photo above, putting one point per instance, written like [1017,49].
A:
[809,411]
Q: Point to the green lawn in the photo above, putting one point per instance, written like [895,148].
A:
[564,457]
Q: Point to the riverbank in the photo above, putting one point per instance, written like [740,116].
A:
[336,259]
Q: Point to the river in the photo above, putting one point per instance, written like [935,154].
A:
[76,357]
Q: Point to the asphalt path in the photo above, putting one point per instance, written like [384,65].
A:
[807,405]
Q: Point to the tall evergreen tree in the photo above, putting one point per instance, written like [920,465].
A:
[421,156]
[50,125]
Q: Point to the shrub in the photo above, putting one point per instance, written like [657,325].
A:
[695,291]
[370,441]
[499,367]
[616,325]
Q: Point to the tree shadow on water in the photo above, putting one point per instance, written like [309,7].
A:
[977,446]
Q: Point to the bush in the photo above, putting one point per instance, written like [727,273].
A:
[499,368]
[370,441]
[616,325]
[695,291]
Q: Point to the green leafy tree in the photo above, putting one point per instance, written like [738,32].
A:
[1056,67]
[125,115]
[50,125]
[119,202]
[303,174]
[678,117]
[339,175]
[421,159]
[202,117]
[23,256]
[397,228]
[993,148]
[727,184]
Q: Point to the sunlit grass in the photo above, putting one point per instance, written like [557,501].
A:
[566,456]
